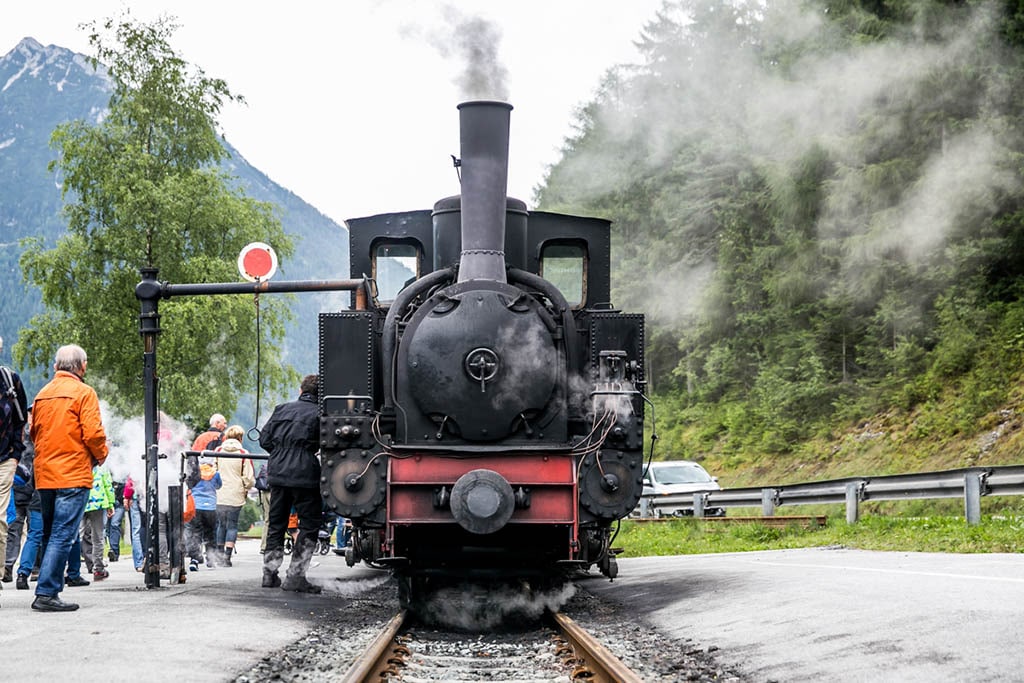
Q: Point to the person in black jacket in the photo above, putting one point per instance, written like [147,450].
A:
[291,437]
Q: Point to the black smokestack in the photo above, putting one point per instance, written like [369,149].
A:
[484,142]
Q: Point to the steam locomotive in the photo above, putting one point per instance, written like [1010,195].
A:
[481,404]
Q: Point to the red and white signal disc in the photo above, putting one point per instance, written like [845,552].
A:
[257,261]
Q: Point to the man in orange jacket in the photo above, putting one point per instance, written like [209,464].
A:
[69,438]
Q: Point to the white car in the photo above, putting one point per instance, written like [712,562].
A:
[678,479]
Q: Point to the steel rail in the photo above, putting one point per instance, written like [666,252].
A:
[375,660]
[600,664]
[593,662]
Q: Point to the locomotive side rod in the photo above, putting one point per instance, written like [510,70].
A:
[149,292]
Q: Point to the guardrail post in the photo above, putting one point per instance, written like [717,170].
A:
[698,504]
[645,507]
[767,502]
[852,502]
[972,497]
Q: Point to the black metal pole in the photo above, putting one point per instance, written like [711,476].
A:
[262,287]
[148,293]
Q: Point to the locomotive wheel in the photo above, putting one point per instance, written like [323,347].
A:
[411,592]
[404,592]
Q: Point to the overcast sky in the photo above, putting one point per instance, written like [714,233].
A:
[351,103]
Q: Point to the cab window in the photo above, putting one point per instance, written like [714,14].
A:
[565,266]
[395,264]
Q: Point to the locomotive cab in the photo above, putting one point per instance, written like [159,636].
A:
[483,415]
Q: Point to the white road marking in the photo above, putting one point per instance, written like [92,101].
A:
[908,572]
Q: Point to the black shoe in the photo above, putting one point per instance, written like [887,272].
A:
[112,556]
[299,584]
[75,583]
[271,579]
[22,582]
[7,575]
[45,603]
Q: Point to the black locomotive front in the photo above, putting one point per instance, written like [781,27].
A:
[482,415]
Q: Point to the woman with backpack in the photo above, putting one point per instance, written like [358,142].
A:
[237,477]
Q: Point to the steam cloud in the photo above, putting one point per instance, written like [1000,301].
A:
[723,94]
[473,43]
[526,353]
[126,439]
[476,608]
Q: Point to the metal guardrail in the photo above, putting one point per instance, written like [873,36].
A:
[969,483]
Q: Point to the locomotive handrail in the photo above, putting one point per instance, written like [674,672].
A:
[970,483]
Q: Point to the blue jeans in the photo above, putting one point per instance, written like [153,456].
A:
[113,524]
[62,518]
[343,535]
[75,557]
[138,546]
[227,524]
[32,543]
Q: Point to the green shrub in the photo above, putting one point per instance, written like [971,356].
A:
[249,515]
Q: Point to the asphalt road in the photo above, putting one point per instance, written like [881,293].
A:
[838,614]
[218,623]
[794,615]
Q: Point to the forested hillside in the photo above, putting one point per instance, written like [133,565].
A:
[820,207]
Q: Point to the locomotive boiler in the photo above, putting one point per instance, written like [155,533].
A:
[482,414]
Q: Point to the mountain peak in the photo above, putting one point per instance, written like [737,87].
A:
[54,65]
[30,44]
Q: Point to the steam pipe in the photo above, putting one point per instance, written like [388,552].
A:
[484,133]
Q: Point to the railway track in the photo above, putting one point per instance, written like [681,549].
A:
[559,650]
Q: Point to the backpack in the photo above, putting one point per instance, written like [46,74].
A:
[8,392]
[189,512]
[12,415]
[192,476]
[261,480]
[215,442]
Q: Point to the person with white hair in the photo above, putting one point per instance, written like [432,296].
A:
[212,437]
[69,439]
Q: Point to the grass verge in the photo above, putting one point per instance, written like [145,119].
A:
[950,534]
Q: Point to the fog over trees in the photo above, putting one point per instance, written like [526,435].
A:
[820,207]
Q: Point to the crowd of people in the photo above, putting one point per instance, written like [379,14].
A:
[60,506]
